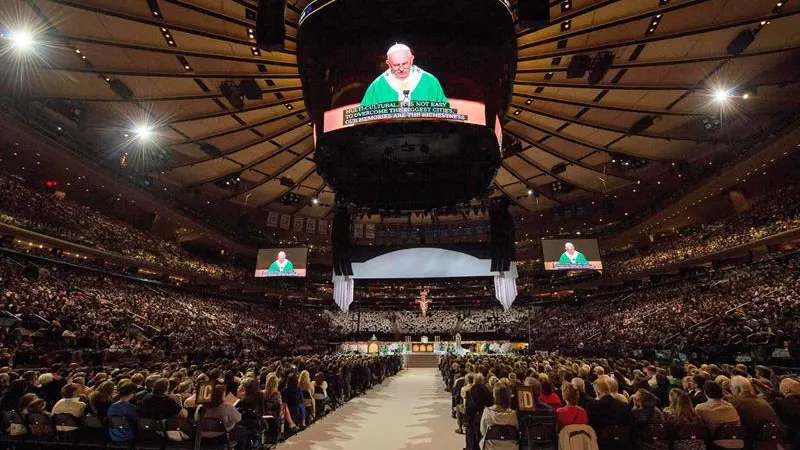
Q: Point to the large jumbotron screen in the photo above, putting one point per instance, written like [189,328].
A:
[571,254]
[390,79]
[281,262]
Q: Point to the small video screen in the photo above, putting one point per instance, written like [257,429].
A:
[571,254]
[281,262]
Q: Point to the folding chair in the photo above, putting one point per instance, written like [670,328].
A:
[729,431]
[42,432]
[540,434]
[219,441]
[120,423]
[92,432]
[149,435]
[501,437]
[175,428]
[615,436]
[66,427]
[12,418]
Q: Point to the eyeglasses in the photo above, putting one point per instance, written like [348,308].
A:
[404,65]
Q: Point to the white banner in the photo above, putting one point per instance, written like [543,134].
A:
[358,230]
[286,221]
[272,219]
[298,224]
[369,231]
[322,227]
[311,225]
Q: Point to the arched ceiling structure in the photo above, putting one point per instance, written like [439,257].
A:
[669,56]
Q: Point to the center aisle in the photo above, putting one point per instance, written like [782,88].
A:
[410,411]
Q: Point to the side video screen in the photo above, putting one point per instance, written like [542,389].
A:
[571,254]
[281,262]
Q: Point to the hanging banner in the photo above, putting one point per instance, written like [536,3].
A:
[311,225]
[286,221]
[322,227]
[272,219]
[358,230]
[298,224]
[369,231]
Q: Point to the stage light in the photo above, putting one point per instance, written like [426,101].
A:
[315,201]
[143,131]
[746,95]
[530,191]
[722,95]
[21,39]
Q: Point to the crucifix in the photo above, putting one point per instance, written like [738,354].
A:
[424,302]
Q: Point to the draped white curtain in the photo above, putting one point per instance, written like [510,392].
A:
[343,291]
[505,286]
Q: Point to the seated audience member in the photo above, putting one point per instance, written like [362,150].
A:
[680,413]
[571,414]
[218,408]
[320,392]
[13,395]
[307,389]
[788,408]
[293,397]
[275,402]
[613,389]
[123,408]
[498,414]
[252,397]
[69,404]
[478,398]
[696,391]
[101,398]
[157,405]
[583,398]
[191,400]
[716,412]
[645,412]
[51,391]
[753,411]
[549,397]
[542,409]
[606,410]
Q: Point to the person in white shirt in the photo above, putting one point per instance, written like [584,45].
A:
[69,404]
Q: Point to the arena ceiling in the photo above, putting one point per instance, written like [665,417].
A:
[648,113]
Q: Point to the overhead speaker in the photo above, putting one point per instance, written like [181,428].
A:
[121,89]
[271,24]
[741,42]
[600,67]
[533,13]
[231,92]
[578,66]
[559,168]
[501,236]
[250,89]
[31,272]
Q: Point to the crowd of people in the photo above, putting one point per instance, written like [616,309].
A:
[49,214]
[291,392]
[92,311]
[776,213]
[627,403]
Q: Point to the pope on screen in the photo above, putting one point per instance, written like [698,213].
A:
[571,256]
[281,264]
[402,79]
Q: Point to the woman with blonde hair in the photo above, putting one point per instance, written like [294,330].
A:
[275,403]
[305,385]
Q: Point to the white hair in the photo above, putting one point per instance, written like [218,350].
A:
[398,47]
[741,384]
[569,243]
[281,253]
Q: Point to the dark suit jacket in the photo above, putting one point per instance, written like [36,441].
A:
[697,397]
[608,411]
[478,398]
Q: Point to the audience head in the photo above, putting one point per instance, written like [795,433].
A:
[713,390]
[502,396]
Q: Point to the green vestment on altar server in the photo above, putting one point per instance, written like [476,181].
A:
[421,85]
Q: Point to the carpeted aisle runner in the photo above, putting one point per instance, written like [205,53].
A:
[410,411]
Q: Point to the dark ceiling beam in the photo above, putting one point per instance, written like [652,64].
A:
[571,14]
[583,143]
[605,127]
[177,51]
[316,195]
[184,74]
[535,164]
[116,99]
[525,181]
[244,127]
[561,155]
[261,160]
[283,192]
[631,87]
[272,104]
[507,195]
[217,15]
[605,25]
[673,62]
[156,22]
[658,112]
[658,37]
[240,148]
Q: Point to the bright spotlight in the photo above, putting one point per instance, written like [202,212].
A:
[315,201]
[746,95]
[143,131]
[722,95]
[21,39]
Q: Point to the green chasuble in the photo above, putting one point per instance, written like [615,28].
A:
[288,267]
[423,87]
[579,259]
